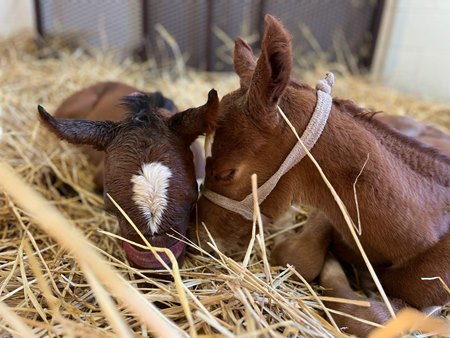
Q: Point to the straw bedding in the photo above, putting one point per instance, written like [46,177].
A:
[54,293]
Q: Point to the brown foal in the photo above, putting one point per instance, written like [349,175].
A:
[148,168]
[102,101]
[403,191]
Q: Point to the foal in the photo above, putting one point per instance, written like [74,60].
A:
[101,101]
[148,168]
[404,194]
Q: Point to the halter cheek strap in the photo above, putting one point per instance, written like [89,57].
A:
[309,138]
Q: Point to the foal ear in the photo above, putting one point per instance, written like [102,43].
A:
[196,121]
[244,61]
[272,73]
[95,133]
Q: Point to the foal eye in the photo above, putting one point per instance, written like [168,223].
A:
[225,175]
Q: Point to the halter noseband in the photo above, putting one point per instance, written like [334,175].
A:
[309,138]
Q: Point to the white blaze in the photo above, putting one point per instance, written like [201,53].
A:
[150,192]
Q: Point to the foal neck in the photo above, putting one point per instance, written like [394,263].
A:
[403,191]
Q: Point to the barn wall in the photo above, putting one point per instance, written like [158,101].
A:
[416,55]
[105,25]
[16,16]
[204,30]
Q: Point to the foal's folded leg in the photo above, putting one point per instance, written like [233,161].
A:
[404,280]
[336,284]
[306,249]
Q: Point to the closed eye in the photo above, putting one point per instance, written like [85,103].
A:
[225,175]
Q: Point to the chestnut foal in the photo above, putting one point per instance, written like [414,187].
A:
[403,191]
[101,101]
[148,167]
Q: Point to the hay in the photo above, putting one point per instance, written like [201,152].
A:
[46,290]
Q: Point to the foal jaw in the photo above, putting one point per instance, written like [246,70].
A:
[150,192]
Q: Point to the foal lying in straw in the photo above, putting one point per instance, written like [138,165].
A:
[148,168]
[102,101]
[402,185]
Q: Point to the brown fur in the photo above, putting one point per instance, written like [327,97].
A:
[404,193]
[101,101]
[331,276]
[147,133]
[427,134]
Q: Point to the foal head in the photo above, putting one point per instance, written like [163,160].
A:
[148,171]
[250,136]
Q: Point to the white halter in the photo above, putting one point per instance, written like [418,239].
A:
[309,138]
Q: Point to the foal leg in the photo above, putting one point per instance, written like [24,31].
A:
[404,281]
[336,284]
[306,249]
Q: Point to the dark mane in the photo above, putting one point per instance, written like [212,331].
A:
[391,139]
[139,103]
[140,108]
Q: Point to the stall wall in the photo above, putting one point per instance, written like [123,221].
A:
[16,16]
[416,51]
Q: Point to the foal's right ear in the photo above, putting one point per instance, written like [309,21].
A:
[244,61]
[197,121]
[95,133]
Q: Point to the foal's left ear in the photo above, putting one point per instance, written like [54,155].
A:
[196,121]
[272,73]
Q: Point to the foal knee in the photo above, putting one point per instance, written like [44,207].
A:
[303,253]
[306,249]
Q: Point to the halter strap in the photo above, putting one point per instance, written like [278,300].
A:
[309,138]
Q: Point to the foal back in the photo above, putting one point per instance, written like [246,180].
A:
[97,102]
[427,134]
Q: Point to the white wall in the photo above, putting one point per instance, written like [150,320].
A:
[16,16]
[415,57]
